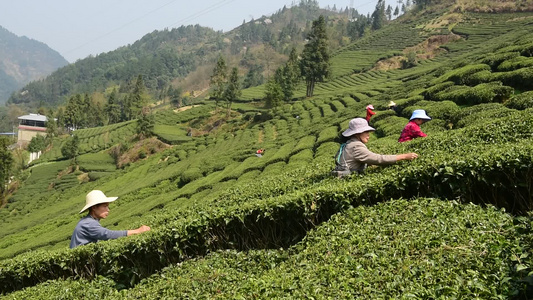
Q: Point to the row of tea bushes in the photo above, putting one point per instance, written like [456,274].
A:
[420,248]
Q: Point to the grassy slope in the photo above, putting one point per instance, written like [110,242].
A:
[157,190]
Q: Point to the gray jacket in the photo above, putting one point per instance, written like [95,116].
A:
[356,156]
[89,230]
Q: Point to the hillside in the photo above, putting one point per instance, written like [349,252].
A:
[23,60]
[454,223]
[164,58]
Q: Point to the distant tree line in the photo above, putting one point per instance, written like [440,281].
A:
[159,56]
[163,56]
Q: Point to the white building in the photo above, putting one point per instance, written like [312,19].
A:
[30,126]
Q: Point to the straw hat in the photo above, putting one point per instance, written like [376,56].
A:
[357,125]
[419,114]
[96,197]
[392,104]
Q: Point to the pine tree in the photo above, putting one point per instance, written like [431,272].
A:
[137,99]
[86,114]
[389,12]
[422,3]
[51,126]
[314,65]
[6,161]
[71,148]
[112,108]
[378,16]
[254,77]
[273,94]
[396,11]
[218,80]
[288,75]
[146,124]
[60,114]
[73,112]
[233,89]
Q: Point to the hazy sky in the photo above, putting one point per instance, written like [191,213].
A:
[77,28]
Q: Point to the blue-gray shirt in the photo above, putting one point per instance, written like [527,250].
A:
[89,230]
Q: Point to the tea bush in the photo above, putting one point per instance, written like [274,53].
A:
[515,64]
[460,76]
[445,110]
[482,93]
[520,79]
[494,60]
[520,101]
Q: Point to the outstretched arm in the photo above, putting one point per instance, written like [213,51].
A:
[141,229]
[406,156]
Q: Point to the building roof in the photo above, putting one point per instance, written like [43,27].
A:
[33,117]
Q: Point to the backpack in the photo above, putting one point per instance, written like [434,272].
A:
[339,155]
[341,169]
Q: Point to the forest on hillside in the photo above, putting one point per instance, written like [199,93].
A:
[165,57]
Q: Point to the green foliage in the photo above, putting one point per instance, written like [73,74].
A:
[211,194]
[378,16]
[430,92]
[273,94]
[218,79]
[520,101]
[314,64]
[232,90]
[410,61]
[494,60]
[6,163]
[519,79]
[480,114]
[254,77]
[71,147]
[146,56]
[190,175]
[445,110]
[112,108]
[327,135]
[37,143]
[145,125]
[96,162]
[391,126]
[515,64]
[461,75]
[482,93]
[171,134]
[288,76]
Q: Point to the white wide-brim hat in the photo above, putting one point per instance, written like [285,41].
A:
[419,114]
[357,125]
[95,197]
[392,103]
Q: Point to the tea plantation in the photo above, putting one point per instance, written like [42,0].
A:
[454,223]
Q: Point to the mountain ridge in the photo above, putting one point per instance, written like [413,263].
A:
[23,60]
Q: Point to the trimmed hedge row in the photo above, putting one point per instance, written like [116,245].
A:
[521,101]
[482,93]
[483,174]
[405,239]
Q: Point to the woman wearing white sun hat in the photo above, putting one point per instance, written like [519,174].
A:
[355,155]
[89,229]
[412,129]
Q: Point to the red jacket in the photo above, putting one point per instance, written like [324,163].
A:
[411,131]
[369,114]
